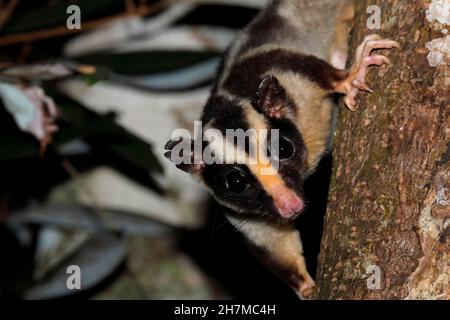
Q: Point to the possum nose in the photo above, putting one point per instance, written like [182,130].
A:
[289,204]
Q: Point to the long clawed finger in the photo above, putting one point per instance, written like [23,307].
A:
[361,86]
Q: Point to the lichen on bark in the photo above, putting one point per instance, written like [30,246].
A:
[389,203]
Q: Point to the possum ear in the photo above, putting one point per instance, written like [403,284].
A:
[270,98]
[183,152]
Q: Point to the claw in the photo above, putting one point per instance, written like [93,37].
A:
[350,103]
[361,86]
[385,59]
[172,143]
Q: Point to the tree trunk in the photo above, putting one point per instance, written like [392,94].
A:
[389,204]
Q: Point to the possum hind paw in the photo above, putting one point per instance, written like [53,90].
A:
[356,78]
[306,289]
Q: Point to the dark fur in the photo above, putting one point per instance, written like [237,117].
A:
[245,76]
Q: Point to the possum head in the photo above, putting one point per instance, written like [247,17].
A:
[265,174]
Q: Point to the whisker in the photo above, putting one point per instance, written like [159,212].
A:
[214,230]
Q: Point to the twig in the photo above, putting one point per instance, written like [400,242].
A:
[141,10]
[203,39]
[5,13]
[5,64]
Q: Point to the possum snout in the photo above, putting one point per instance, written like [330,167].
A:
[288,203]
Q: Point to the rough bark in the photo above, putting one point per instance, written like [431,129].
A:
[389,203]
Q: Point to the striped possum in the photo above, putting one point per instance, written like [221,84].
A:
[281,73]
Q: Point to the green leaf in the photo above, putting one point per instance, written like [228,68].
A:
[124,151]
[85,123]
[17,144]
[143,63]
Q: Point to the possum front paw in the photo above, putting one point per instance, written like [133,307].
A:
[181,151]
[356,78]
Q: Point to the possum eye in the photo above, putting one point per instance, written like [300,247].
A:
[287,149]
[236,181]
